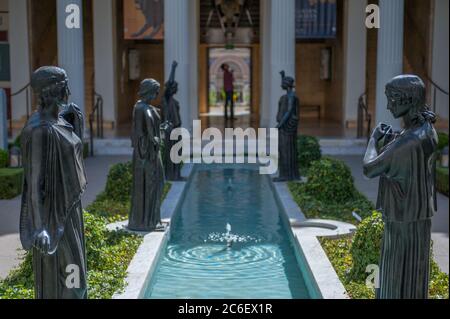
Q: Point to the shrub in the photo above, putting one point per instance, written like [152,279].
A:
[442,180]
[366,245]
[11,180]
[308,151]
[119,182]
[110,209]
[443,140]
[330,180]
[3,158]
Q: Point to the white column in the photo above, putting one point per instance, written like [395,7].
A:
[177,39]
[265,48]
[105,56]
[389,54]
[439,72]
[355,46]
[71,49]
[280,55]
[19,55]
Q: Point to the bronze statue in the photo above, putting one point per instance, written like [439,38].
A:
[172,120]
[287,119]
[51,220]
[405,162]
[148,174]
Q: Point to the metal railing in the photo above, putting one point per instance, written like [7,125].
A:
[436,88]
[27,91]
[363,115]
[97,117]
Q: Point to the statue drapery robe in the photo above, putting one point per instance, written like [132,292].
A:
[171,115]
[54,179]
[288,111]
[148,174]
[407,199]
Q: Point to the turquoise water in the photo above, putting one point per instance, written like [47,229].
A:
[197,263]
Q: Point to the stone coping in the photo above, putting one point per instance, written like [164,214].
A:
[305,233]
[144,262]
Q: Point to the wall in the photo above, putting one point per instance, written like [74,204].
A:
[310,88]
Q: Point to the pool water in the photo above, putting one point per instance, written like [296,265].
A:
[198,262]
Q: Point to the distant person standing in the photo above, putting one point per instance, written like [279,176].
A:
[229,89]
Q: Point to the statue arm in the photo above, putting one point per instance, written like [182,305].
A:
[74,116]
[377,162]
[36,177]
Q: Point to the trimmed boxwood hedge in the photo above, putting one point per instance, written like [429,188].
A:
[3,158]
[11,180]
[308,152]
[442,179]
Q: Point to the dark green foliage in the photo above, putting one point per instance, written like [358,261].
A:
[366,245]
[11,180]
[110,209]
[119,182]
[308,151]
[442,180]
[330,180]
[443,140]
[4,158]
[315,208]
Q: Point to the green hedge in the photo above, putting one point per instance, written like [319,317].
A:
[350,257]
[11,181]
[442,179]
[330,180]
[366,245]
[4,159]
[308,151]
[329,193]
[119,182]
[443,140]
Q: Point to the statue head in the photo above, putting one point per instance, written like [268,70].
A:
[287,83]
[149,90]
[406,94]
[50,84]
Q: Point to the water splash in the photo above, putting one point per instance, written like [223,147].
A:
[230,238]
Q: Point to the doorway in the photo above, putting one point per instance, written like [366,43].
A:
[239,61]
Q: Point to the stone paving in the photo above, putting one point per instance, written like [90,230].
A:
[97,170]
[440,232]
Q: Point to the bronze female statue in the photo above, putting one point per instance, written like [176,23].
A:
[287,119]
[405,162]
[172,120]
[51,220]
[148,174]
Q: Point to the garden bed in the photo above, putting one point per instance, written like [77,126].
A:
[329,193]
[108,253]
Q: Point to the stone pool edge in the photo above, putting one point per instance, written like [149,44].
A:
[144,262]
[319,267]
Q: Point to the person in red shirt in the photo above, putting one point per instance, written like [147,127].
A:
[229,89]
